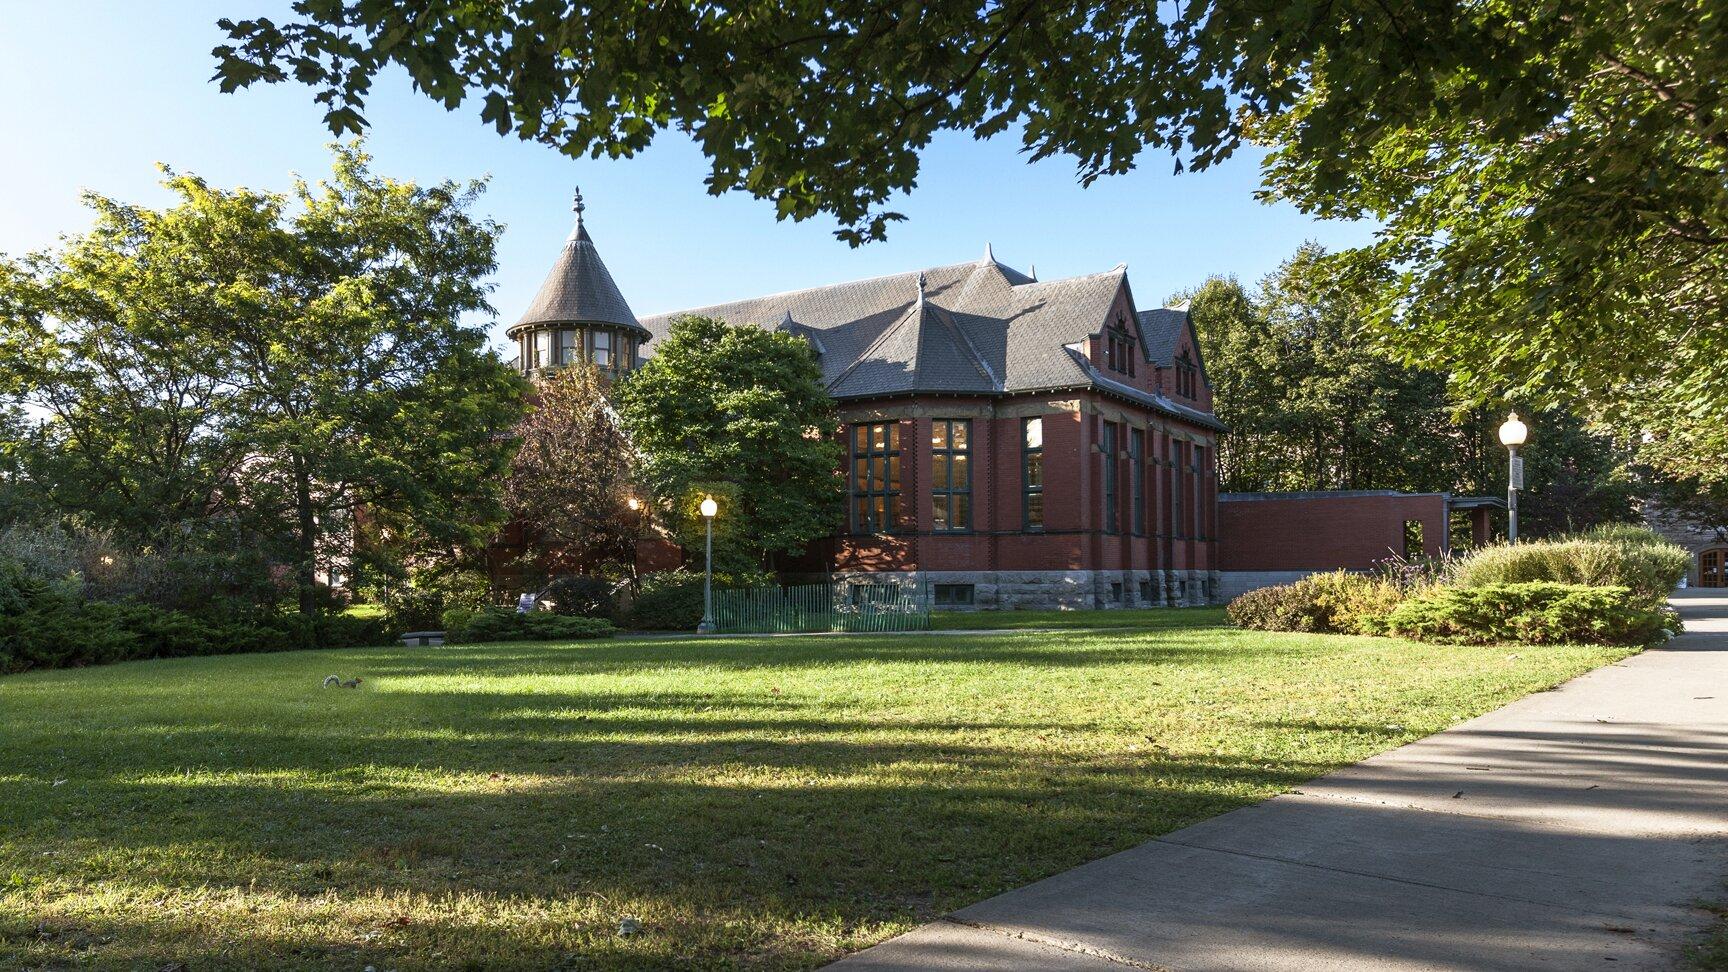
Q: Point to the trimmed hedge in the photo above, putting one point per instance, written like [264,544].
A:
[506,624]
[670,601]
[1536,613]
[1334,603]
[1628,557]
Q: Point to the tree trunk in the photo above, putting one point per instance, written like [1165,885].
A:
[306,545]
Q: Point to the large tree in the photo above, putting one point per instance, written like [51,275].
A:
[1553,178]
[572,481]
[285,360]
[740,412]
[1314,402]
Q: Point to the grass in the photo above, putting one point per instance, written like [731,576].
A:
[761,803]
[1142,618]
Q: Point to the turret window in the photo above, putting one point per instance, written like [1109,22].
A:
[600,349]
[569,347]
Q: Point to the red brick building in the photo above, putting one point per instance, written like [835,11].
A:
[1012,441]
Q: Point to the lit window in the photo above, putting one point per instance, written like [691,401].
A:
[875,476]
[951,474]
[1032,474]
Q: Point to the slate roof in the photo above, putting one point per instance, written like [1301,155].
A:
[965,328]
[579,288]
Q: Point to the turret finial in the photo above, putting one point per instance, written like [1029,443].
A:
[921,285]
[989,254]
[577,204]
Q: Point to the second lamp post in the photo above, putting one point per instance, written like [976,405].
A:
[709,508]
[1512,435]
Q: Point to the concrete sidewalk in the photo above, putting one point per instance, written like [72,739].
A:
[1567,830]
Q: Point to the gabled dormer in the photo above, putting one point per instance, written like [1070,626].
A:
[578,314]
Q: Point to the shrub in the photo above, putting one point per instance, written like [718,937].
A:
[419,603]
[356,631]
[505,624]
[1620,557]
[671,601]
[589,597]
[1337,603]
[1537,613]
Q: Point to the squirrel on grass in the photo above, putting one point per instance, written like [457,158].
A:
[339,680]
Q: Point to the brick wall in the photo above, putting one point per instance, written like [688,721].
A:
[1319,531]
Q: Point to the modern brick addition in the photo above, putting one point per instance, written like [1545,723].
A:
[1275,538]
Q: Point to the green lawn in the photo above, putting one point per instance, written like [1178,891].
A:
[762,803]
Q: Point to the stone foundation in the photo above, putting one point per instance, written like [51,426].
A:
[1062,590]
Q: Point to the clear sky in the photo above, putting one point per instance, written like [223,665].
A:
[93,94]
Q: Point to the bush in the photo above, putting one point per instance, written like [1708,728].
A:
[588,597]
[1621,556]
[419,603]
[1537,613]
[506,624]
[671,601]
[1333,603]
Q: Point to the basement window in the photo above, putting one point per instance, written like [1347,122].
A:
[955,595]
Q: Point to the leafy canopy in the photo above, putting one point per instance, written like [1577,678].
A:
[572,481]
[276,360]
[739,412]
[1314,403]
[1553,177]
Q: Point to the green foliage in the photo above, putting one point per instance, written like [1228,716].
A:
[506,624]
[1626,557]
[243,370]
[1338,602]
[420,602]
[589,597]
[571,480]
[1314,402]
[1536,613]
[740,412]
[670,601]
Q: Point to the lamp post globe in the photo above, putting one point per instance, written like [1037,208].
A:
[1513,432]
[709,508]
[1512,435]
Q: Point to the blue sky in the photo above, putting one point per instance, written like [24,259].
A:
[96,93]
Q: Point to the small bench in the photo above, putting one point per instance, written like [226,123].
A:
[422,638]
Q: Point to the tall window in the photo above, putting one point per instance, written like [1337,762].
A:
[542,350]
[951,474]
[1032,473]
[1137,481]
[875,476]
[569,346]
[1112,521]
[1187,377]
[1178,512]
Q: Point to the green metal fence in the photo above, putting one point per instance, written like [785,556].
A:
[852,606]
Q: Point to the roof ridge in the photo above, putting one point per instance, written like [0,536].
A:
[806,290]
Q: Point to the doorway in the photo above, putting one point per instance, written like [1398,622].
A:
[1713,568]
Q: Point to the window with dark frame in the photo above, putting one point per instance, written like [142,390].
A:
[1032,474]
[951,475]
[875,476]
[955,595]
[1112,512]
[1178,512]
[1145,592]
[1187,377]
[1199,491]
[1118,350]
[1137,481]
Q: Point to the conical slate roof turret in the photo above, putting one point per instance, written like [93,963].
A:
[579,289]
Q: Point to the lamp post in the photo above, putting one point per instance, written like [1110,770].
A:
[709,508]
[1512,435]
